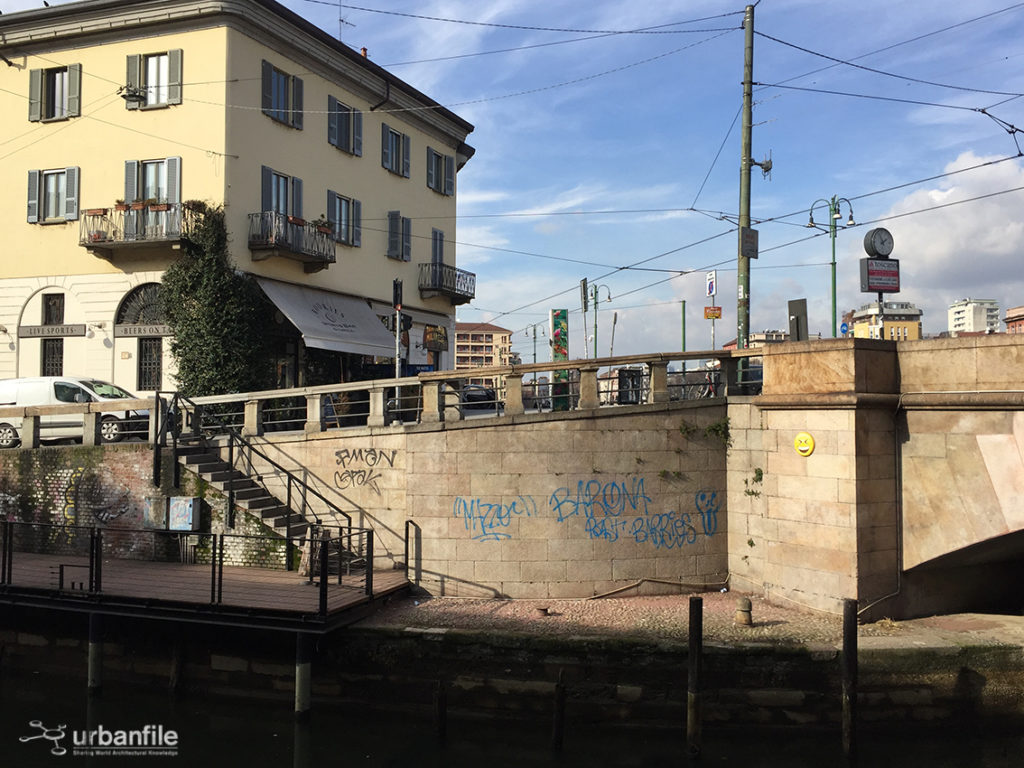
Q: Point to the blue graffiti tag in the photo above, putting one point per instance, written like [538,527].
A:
[482,518]
[706,503]
[595,498]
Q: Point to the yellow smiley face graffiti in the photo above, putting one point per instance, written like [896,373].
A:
[804,444]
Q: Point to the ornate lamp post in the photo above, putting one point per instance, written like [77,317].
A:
[834,215]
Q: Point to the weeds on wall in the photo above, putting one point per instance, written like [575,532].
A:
[755,480]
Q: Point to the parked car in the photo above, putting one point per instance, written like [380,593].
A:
[61,390]
[477,396]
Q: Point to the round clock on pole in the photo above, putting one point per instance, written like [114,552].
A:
[878,242]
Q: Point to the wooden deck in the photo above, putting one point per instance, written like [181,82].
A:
[183,591]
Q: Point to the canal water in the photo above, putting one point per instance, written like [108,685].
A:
[46,722]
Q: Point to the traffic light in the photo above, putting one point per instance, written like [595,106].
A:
[406,322]
[396,300]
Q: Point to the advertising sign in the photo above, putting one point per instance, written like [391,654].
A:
[559,352]
[880,275]
[712,313]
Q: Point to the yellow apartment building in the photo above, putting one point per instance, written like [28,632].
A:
[336,178]
[895,321]
[480,345]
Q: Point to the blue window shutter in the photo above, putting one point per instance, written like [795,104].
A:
[385,155]
[266,186]
[394,234]
[267,90]
[296,197]
[406,149]
[174,75]
[35,95]
[357,133]
[357,223]
[74,90]
[332,208]
[133,79]
[431,181]
[131,180]
[449,175]
[297,102]
[332,121]
[173,179]
[406,239]
[33,197]
[71,176]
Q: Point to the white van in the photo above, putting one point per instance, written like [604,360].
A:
[61,390]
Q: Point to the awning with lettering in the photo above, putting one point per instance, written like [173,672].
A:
[329,320]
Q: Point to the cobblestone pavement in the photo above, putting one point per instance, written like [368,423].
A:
[656,618]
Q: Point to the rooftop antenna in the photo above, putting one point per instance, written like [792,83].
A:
[342,22]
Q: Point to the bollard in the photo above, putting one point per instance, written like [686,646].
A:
[693,692]
[558,724]
[95,670]
[441,711]
[743,615]
[850,678]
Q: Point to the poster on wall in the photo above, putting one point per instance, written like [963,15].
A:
[154,512]
[183,513]
[559,335]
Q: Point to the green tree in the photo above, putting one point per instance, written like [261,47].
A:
[219,316]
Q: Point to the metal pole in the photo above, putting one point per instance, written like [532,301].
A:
[833,212]
[682,314]
[595,319]
[95,654]
[849,677]
[303,675]
[693,687]
[742,262]
[398,343]
[611,347]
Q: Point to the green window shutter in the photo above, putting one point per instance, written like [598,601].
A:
[173,179]
[406,239]
[71,193]
[131,180]
[296,197]
[133,79]
[33,197]
[357,133]
[394,234]
[332,121]
[297,102]
[406,149]
[174,75]
[35,95]
[431,181]
[267,93]
[385,154]
[357,219]
[449,175]
[74,90]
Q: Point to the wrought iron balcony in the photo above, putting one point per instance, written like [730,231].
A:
[275,234]
[127,226]
[445,280]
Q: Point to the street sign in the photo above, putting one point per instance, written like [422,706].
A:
[711,283]
[748,243]
[712,313]
[844,328]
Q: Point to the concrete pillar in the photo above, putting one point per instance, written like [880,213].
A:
[588,388]
[659,382]
[431,406]
[30,432]
[91,428]
[303,674]
[314,414]
[95,669]
[376,417]
[252,426]
[514,394]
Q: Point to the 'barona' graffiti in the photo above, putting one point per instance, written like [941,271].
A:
[482,518]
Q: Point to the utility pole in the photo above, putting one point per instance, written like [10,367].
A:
[743,262]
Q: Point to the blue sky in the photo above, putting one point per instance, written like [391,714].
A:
[598,151]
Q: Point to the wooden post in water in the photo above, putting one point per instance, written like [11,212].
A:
[95,671]
[850,678]
[558,723]
[303,674]
[441,710]
[693,688]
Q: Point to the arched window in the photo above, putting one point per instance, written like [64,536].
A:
[141,315]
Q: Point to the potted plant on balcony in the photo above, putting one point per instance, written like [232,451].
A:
[138,204]
[120,205]
[159,206]
[323,226]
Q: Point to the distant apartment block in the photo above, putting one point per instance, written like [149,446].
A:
[974,316]
[1014,320]
[892,320]
[480,345]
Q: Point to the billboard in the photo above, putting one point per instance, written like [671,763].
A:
[560,351]
[880,275]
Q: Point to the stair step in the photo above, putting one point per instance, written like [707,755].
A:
[201,457]
[260,502]
[225,475]
[240,484]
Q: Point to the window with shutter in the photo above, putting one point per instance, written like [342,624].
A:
[440,172]
[394,150]
[55,93]
[53,195]
[344,127]
[281,95]
[153,79]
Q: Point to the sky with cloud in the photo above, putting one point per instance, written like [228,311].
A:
[607,140]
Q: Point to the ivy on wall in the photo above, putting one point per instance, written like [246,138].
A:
[219,316]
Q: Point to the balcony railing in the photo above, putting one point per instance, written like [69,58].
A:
[136,224]
[272,233]
[445,280]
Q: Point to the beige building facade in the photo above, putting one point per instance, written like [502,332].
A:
[481,345]
[890,321]
[119,114]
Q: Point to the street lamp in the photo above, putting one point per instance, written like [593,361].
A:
[595,290]
[834,215]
